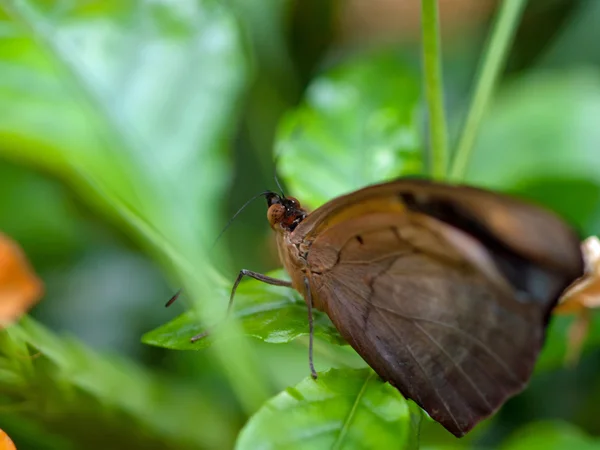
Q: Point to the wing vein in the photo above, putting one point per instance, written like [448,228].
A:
[456,364]
[457,330]
[348,329]
[395,255]
[417,362]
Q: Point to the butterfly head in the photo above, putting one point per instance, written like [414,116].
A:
[284,213]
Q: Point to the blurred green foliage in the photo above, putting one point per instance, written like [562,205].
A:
[131,130]
[98,400]
[358,125]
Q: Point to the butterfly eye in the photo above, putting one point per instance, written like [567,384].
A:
[293,201]
[275,213]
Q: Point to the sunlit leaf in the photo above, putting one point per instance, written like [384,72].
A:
[20,288]
[132,104]
[341,409]
[272,314]
[359,124]
[134,99]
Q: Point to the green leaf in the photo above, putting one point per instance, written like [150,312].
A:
[341,409]
[131,103]
[101,401]
[119,95]
[540,141]
[550,436]
[270,313]
[358,125]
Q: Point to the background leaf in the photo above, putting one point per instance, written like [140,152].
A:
[359,124]
[124,108]
[550,436]
[273,314]
[540,141]
[341,409]
[72,389]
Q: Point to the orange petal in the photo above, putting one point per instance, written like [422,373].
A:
[20,288]
[5,442]
[576,338]
[584,293]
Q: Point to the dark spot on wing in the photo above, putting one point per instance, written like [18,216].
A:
[523,274]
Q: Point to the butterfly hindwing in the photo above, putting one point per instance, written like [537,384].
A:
[433,327]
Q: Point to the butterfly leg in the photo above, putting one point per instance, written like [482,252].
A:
[172,299]
[313,372]
[244,273]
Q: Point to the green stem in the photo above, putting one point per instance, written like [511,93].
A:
[438,135]
[490,68]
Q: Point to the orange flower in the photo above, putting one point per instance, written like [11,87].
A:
[584,293]
[5,442]
[20,288]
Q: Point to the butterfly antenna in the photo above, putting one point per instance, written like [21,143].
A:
[236,214]
[275,165]
[277,183]
[172,299]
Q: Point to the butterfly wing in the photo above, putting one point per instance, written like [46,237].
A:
[498,221]
[436,301]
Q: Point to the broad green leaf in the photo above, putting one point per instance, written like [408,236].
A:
[132,103]
[540,141]
[342,409]
[550,436]
[270,313]
[101,400]
[358,125]
[121,95]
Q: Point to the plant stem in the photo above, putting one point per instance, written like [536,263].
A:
[438,135]
[490,67]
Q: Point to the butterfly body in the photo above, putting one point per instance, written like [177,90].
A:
[445,291]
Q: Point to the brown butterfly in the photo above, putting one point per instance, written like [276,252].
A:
[445,291]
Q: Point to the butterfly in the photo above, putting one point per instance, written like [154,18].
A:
[444,290]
